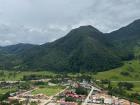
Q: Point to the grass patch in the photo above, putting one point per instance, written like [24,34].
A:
[131,67]
[18,75]
[3,91]
[49,91]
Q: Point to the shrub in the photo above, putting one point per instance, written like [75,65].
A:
[81,91]
[125,85]
[70,99]
[125,73]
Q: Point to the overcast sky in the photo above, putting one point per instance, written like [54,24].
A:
[41,21]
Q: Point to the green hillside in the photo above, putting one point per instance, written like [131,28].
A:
[126,39]
[82,49]
[130,71]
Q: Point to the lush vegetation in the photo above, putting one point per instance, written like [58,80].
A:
[122,90]
[130,71]
[83,49]
[85,53]
[81,91]
[70,99]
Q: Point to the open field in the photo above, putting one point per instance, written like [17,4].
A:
[49,91]
[3,91]
[18,75]
[129,72]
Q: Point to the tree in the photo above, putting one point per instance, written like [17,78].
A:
[125,73]
[116,92]
[70,99]
[81,91]
[4,96]
[125,85]
[33,103]
[25,85]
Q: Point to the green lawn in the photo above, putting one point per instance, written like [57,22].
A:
[49,91]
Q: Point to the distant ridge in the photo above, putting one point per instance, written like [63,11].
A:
[82,49]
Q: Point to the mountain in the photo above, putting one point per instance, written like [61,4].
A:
[130,32]
[16,49]
[127,39]
[82,49]
[9,55]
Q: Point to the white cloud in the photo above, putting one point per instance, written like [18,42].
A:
[40,21]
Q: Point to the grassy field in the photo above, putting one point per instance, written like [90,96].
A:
[18,75]
[3,91]
[136,87]
[132,68]
[49,91]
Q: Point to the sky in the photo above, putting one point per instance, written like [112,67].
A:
[41,21]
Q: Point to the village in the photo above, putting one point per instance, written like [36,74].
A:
[64,92]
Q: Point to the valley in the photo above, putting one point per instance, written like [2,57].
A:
[39,80]
[86,66]
[69,52]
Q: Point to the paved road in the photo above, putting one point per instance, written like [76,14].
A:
[90,93]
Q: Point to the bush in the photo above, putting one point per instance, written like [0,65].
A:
[125,73]
[40,83]
[116,92]
[25,85]
[125,85]
[135,96]
[70,99]
[4,96]
[105,81]
[130,69]
[81,91]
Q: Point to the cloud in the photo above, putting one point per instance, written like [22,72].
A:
[40,21]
